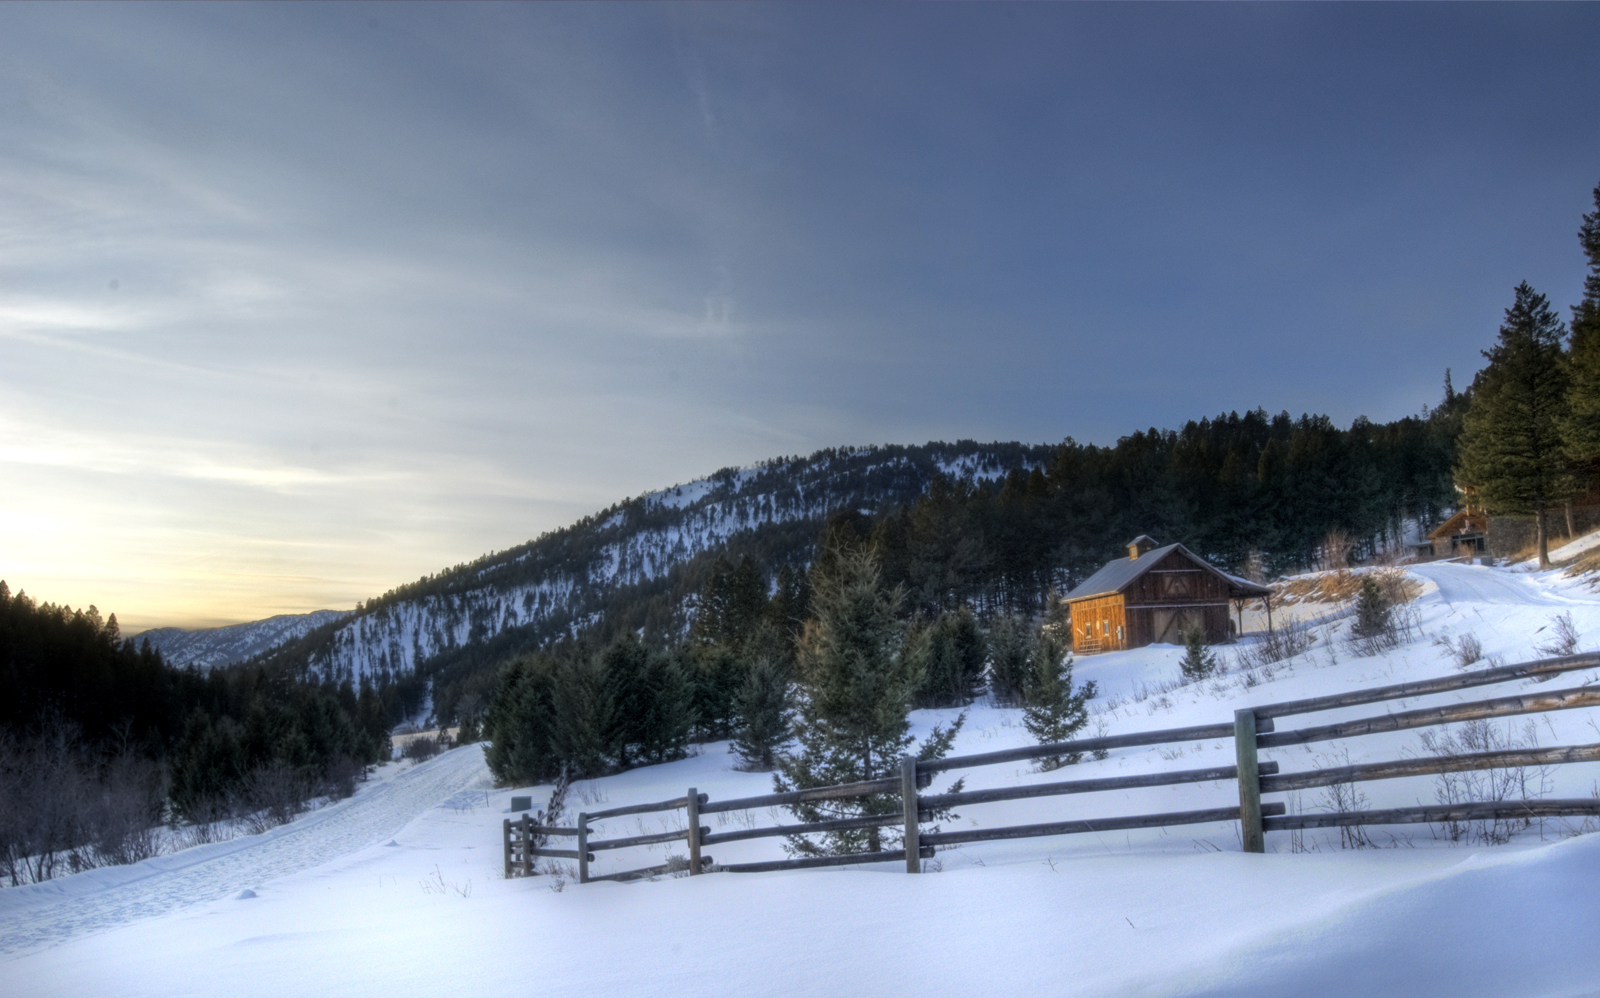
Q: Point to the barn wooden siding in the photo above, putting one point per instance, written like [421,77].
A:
[1168,599]
[1099,624]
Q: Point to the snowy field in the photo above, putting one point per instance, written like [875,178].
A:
[398,891]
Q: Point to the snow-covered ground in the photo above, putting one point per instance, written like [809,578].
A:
[399,890]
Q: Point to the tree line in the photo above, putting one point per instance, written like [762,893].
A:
[102,740]
[1530,439]
[827,663]
[1254,493]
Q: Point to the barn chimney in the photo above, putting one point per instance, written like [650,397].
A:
[1139,545]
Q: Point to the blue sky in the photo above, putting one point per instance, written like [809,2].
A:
[298,302]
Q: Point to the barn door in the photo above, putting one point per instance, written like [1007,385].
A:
[1169,626]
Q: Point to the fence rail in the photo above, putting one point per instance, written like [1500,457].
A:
[1251,730]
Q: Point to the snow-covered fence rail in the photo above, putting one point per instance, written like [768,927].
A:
[523,840]
[692,834]
[1252,729]
[1248,739]
[916,809]
[523,843]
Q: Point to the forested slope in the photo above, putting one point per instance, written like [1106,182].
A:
[995,526]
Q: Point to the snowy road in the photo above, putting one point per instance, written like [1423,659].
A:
[1476,584]
[49,913]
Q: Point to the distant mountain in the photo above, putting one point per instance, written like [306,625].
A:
[212,646]
[633,564]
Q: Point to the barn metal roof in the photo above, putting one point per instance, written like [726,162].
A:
[1117,575]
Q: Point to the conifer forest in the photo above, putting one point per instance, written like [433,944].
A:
[797,609]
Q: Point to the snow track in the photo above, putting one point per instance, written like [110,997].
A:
[45,914]
[1477,584]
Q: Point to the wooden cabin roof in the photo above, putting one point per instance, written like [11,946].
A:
[1115,576]
[1464,522]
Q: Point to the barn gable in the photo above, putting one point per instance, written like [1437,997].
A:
[1156,594]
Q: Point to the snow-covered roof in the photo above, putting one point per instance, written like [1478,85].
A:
[1463,522]
[1115,576]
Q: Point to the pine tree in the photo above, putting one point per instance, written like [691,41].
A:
[669,708]
[716,675]
[582,715]
[1512,455]
[761,708]
[789,608]
[732,603]
[627,696]
[1373,627]
[1198,663]
[1581,429]
[1055,711]
[951,651]
[1010,647]
[856,689]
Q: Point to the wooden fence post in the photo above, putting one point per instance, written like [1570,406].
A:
[1244,743]
[506,826]
[527,844]
[692,807]
[583,848]
[908,794]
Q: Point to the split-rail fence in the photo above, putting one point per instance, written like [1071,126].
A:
[1252,729]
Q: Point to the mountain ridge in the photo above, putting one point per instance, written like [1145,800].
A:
[562,581]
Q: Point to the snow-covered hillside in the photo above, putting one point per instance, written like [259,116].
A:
[357,909]
[563,580]
[211,646]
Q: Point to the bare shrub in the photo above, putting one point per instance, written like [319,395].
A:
[1340,798]
[204,816]
[424,748]
[44,821]
[1516,783]
[274,794]
[339,779]
[1463,650]
[126,826]
[1397,585]
[1277,645]
[1563,639]
[62,810]
[436,884]
[1335,551]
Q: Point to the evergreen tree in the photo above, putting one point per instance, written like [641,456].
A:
[669,708]
[762,710]
[731,605]
[715,674]
[1374,615]
[951,651]
[625,666]
[1512,455]
[206,772]
[1198,663]
[1581,428]
[582,715]
[857,684]
[521,723]
[1010,651]
[789,608]
[1055,711]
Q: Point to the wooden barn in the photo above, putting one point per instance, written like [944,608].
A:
[1155,595]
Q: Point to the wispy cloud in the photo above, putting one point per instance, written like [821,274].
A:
[293,308]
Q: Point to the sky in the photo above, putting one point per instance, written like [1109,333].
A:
[300,302]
